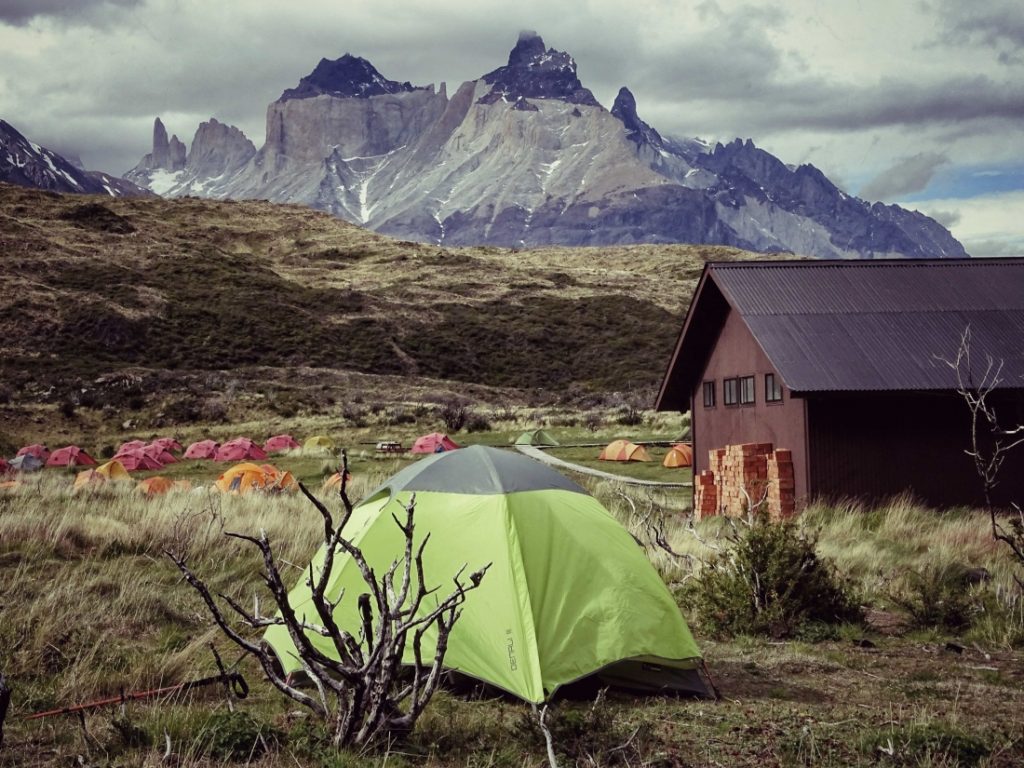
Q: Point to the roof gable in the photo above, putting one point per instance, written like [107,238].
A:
[867,325]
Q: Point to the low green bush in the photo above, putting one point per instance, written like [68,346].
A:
[939,595]
[770,581]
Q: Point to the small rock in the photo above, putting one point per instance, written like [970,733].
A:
[958,649]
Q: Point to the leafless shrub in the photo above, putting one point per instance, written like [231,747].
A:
[359,687]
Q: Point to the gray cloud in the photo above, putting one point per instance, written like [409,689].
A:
[997,24]
[995,247]
[946,218]
[911,174]
[21,12]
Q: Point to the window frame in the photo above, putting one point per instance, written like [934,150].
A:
[744,381]
[731,386]
[708,387]
[771,391]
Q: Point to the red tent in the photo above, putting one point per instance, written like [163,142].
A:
[240,449]
[136,459]
[131,445]
[204,449]
[280,444]
[169,444]
[37,450]
[158,452]
[70,456]
[435,442]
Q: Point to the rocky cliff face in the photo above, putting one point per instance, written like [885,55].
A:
[525,155]
[26,164]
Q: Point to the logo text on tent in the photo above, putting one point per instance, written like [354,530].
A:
[510,646]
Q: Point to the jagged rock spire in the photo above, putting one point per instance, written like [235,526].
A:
[534,72]
[637,130]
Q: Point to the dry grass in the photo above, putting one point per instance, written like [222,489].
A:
[90,606]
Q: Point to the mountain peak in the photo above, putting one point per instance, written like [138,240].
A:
[637,130]
[529,46]
[534,72]
[347,77]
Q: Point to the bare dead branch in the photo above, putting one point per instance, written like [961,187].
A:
[360,692]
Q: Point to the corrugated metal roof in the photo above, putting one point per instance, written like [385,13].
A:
[863,325]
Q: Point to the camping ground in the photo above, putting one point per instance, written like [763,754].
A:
[90,607]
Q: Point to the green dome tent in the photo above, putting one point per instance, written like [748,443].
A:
[569,592]
[536,437]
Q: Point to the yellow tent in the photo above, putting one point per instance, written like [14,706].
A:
[112,470]
[318,444]
[679,455]
[623,450]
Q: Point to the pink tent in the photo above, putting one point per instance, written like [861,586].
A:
[135,459]
[131,445]
[435,442]
[37,450]
[240,449]
[70,456]
[169,444]
[204,449]
[158,452]
[280,443]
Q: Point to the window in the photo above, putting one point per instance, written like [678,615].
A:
[746,390]
[731,391]
[709,394]
[772,389]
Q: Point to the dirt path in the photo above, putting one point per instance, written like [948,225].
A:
[536,453]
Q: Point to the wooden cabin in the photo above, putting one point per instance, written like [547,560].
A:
[844,363]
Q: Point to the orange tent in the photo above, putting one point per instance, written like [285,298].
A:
[679,455]
[154,486]
[246,477]
[278,480]
[334,481]
[158,484]
[623,450]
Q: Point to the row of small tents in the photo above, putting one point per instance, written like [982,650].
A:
[138,455]
[679,454]
[241,479]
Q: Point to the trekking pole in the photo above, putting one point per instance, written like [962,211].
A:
[232,681]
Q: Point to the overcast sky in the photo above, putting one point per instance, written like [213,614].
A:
[919,102]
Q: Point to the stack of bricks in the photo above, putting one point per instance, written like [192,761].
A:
[705,495]
[746,475]
[782,487]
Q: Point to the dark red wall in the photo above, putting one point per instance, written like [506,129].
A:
[736,353]
[875,445]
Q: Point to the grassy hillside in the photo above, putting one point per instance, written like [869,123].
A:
[91,286]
